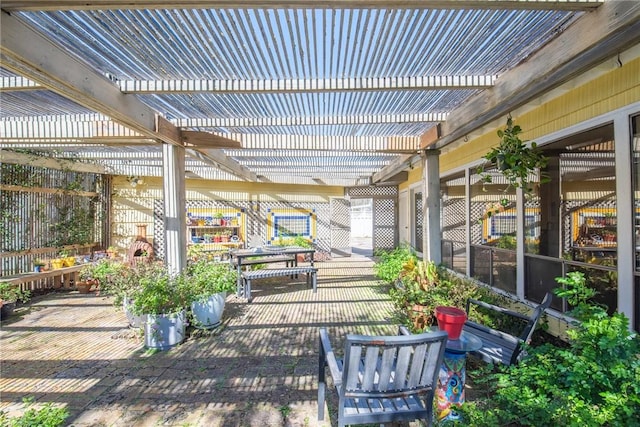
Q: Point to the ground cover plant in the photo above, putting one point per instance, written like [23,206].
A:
[46,416]
[595,381]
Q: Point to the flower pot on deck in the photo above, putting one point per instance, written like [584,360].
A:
[207,314]
[164,331]
[84,286]
[451,320]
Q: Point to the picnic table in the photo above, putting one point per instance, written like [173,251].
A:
[244,258]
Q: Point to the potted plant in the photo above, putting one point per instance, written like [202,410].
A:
[208,284]
[38,265]
[67,259]
[99,274]
[217,218]
[514,159]
[163,299]
[125,286]
[10,294]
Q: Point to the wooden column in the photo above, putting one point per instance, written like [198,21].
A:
[432,235]
[175,226]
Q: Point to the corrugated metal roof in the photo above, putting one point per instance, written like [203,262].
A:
[348,82]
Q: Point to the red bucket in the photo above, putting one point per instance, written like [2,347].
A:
[451,320]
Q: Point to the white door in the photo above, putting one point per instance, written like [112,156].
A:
[404,212]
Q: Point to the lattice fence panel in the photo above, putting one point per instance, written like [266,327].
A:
[419,232]
[384,223]
[373,191]
[340,226]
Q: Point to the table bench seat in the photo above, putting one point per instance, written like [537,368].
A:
[288,259]
[247,276]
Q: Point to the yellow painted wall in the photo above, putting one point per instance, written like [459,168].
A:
[415,175]
[606,93]
[134,205]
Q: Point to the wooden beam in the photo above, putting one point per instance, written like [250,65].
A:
[14,158]
[430,136]
[34,5]
[399,164]
[592,39]
[377,84]
[311,120]
[28,53]
[22,189]
[208,140]
[220,160]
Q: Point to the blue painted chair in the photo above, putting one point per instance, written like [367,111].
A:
[382,379]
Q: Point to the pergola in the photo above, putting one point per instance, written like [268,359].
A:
[340,93]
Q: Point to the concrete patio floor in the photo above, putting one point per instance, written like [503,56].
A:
[257,369]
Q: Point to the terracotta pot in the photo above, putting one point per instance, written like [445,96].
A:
[84,287]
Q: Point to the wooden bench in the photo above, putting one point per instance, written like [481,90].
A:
[247,276]
[64,277]
[499,346]
[288,259]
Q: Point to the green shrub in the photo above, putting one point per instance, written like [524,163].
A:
[390,263]
[593,382]
[12,293]
[422,286]
[205,278]
[47,416]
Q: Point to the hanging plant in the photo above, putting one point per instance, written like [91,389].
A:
[514,159]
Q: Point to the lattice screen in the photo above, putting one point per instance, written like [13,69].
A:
[419,233]
[372,191]
[340,226]
[384,224]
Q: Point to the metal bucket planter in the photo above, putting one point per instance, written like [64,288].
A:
[208,314]
[135,320]
[162,332]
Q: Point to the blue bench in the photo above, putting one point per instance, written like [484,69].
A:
[499,346]
[244,290]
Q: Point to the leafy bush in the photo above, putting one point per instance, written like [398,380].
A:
[594,382]
[390,263]
[11,293]
[160,292]
[205,278]
[422,286]
[47,416]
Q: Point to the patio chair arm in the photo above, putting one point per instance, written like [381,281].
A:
[330,358]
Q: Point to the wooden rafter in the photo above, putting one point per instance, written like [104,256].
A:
[308,85]
[11,157]
[593,38]
[311,121]
[30,54]
[302,4]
